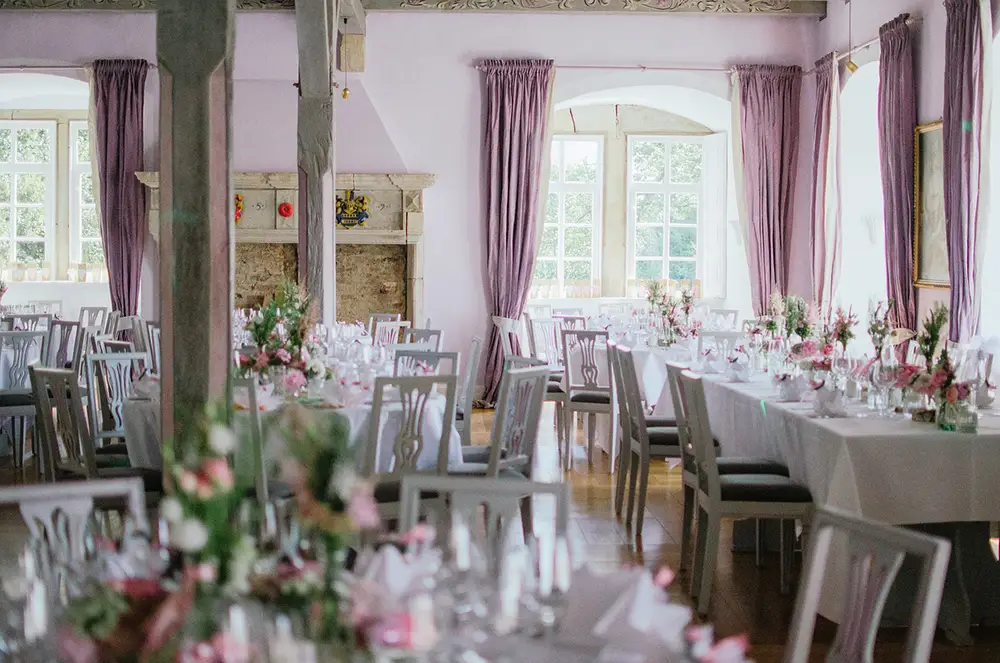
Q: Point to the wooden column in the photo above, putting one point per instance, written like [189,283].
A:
[195,53]
[317,25]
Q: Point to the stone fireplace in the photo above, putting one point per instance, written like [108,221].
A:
[379,266]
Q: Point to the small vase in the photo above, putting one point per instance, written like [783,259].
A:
[314,387]
[957,417]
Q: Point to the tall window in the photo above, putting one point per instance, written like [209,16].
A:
[48,214]
[568,262]
[27,191]
[666,207]
[862,278]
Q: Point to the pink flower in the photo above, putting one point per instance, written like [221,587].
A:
[939,377]
[204,489]
[188,482]
[262,361]
[283,355]
[951,394]
[395,631]
[731,649]
[294,380]
[828,350]
[362,508]
[230,650]
[664,577]
[418,534]
[206,573]
[218,470]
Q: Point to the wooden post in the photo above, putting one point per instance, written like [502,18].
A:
[317,25]
[195,53]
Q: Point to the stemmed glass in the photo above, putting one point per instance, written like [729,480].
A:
[883,378]
[841,368]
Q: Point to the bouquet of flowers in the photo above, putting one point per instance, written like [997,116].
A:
[930,337]
[843,327]
[941,383]
[879,326]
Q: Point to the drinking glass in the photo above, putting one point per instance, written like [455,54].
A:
[841,368]
[883,377]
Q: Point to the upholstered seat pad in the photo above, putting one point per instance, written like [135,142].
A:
[762,488]
[391,490]
[114,449]
[479,454]
[17,400]
[656,422]
[596,397]
[745,465]
[480,469]
[554,388]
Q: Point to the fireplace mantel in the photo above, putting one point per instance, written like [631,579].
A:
[396,211]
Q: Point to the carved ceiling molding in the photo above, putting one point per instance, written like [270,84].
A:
[775,7]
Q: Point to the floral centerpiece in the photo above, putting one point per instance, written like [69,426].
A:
[843,327]
[929,339]
[675,311]
[880,326]
[954,411]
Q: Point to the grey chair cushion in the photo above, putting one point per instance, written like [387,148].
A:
[479,469]
[762,488]
[663,436]
[114,449]
[17,400]
[479,454]
[112,460]
[390,491]
[742,465]
[656,422]
[596,397]
[459,415]
[554,388]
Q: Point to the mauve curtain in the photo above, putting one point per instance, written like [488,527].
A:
[119,90]
[825,229]
[516,96]
[965,90]
[769,125]
[897,120]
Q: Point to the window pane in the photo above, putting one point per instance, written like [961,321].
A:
[30,222]
[89,227]
[86,189]
[4,144]
[682,270]
[5,252]
[646,270]
[649,241]
[83,146]
[549,246]
[683,242]
[579,243]
[581,160]
[552,209]
[579,208]
[33,145]
[649,208]
[684,208]
[5,221]
[546,270]
[648,161]
[685,163]
[92,253]
[30,188]
[578,270]
[5,188]
[31,252]
[555,172]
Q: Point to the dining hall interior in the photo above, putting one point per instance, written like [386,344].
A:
[702,373]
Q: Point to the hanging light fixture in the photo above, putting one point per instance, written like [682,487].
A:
[852,66]
[346,92]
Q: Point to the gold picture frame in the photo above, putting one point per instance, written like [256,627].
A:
[930,240]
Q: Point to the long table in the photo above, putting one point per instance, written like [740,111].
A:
[887,469]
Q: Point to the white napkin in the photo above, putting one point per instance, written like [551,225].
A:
[397,573]
[737,371]
[791,389]
[830,402]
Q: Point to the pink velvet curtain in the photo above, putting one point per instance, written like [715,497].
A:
[897,120]
[769,123]
[516,105]
[119,94]
[825,232]
[963,118]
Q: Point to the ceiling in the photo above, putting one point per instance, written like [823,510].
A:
[791,8]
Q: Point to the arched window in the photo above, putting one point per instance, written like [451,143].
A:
[862,278]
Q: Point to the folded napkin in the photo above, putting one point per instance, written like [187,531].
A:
[397,574]
[790,388]
[830,402]
[738,371]
[146,388]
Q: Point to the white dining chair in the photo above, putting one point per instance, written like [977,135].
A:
[734,496]
[538,310]
[404,400]
[389,332]
[60,348]
[547,340]
[875,552]
[60,514]
[18,350]
[111,323]
[614,309]
[528,333]
[382,317]
[567,312]
[725,318]
[508,329]
[424,362]
[571,321]
[586,391]
[462,499]
[723,342]
[432,337]
[109,383]
[27,322]
[93,316]
[467,391]
[53,307]
[153,346]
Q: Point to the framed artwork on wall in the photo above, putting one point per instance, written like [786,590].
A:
[930,239]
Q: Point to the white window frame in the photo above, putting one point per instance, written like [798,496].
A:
[49,170]
[710,266]
[560,189]
[76,205]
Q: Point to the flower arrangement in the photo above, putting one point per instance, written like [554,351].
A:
[941,383]
[929,339]
[281,332]
[879,325]
[843,327]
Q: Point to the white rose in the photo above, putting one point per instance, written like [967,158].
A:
[171,510]
[343,482]
[189,535]
[222,440]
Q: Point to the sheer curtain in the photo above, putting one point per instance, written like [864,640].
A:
[989,319]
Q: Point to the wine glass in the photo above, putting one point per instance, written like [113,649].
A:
[841,367]
[883,377]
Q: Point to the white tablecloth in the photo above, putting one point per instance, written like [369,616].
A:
[142,433]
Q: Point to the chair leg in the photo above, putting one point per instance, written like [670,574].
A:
[570,429]
[759,541]
[527,520]
[712,525]
[633,476]
[614,441]
[689,499]
[624,456]
[18,440]
[591,437]
[643,484]
[699,551]
[787,546]
[559,426]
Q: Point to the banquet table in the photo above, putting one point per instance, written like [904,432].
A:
[142,432]
[886,469]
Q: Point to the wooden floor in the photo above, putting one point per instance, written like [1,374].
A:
[745,598]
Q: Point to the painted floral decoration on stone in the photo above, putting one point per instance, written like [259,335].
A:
[239,207]
[285,210]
